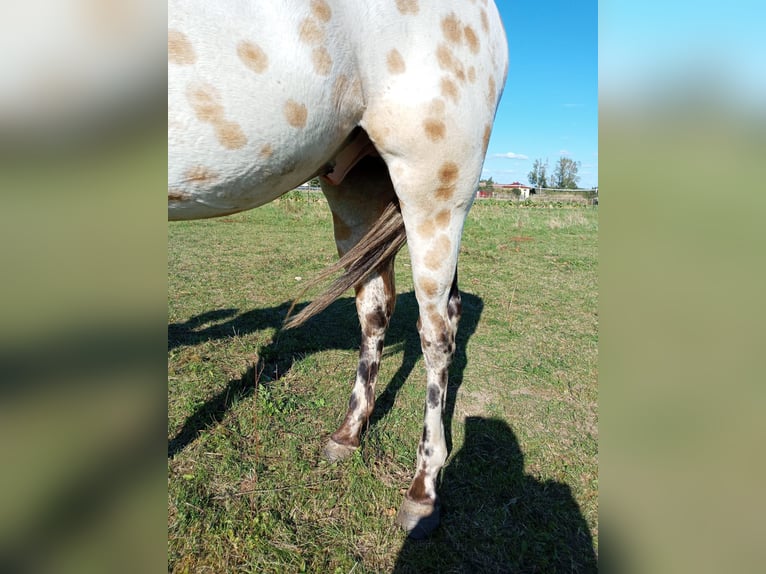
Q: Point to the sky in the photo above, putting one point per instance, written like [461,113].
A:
[655,48]
[549,106]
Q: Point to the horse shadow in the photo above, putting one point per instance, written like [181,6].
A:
[337,327]
[495,518]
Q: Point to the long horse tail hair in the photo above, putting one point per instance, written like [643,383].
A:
[382,242]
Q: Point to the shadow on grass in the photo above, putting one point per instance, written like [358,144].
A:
[495,518]
[335,328]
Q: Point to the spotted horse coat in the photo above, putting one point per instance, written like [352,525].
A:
[391,102]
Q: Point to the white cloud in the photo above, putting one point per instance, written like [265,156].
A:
[510,155]
[564,152]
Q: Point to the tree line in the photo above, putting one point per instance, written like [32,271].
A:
[564,175]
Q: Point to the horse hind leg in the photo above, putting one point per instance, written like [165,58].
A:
[356,204]
[435,195]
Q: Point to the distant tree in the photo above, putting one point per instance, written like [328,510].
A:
[565,175]
[538,176]
[487,184]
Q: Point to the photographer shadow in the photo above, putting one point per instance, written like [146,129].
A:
[495,518]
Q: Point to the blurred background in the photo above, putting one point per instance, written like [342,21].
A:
[82,285]
[83,307]
[682,102]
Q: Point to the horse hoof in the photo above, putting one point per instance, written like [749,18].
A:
[417,519]
[334,451]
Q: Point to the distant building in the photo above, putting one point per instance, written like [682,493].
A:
[525,189]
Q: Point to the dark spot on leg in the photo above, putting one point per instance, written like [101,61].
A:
[373,372]
[370,395]
[428,452]
[417,490]
[343,434]
[363,372]
[376,321]
[425,436]
[443,379]
[379,346]
[433,396]
[454,306]
[353,403]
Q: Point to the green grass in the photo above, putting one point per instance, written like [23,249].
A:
[250,408]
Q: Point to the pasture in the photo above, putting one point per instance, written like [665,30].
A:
[250,407]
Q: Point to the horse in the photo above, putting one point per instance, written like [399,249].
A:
[391,104]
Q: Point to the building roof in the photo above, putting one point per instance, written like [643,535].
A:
[514,184]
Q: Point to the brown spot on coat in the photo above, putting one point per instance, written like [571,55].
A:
[417,491]
[433,396]
[375,322]
[266,151]
[344,435]
[487,133]
[230,135]
[484,20]
[205,102]
[175,195]
[492,95]
[429,287]
[180,50]
[439,253]
[472,74]
[443,218]
[451,29]
[435,129]
[395,62]
[310,32]
[427,228]
[444,57]
[472,39]
[436,107]
[407,6]
[200,174]
[448,172]
[449,89]
[447,61]
[253,56]
[389,288]
[322,61]
[445,192]
[440,326]
[321,10]
[295,113]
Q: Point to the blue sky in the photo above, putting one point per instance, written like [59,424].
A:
[550,103]
[653,48]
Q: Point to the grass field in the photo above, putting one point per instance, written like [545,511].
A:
[250,407]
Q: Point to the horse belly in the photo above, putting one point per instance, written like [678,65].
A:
[260,96]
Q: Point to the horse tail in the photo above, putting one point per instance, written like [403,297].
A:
[381,243]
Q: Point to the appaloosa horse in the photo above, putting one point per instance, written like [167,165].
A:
[391,102]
